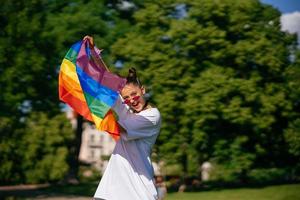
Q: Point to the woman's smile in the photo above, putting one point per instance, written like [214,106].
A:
[135,104]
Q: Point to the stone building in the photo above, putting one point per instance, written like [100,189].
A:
[96,146]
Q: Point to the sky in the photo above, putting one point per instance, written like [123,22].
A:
[285,6]
[290,18]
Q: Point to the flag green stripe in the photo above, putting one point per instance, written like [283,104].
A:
[96,107]
[72,56]
[73,52]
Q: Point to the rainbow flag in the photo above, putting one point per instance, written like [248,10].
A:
[90,89]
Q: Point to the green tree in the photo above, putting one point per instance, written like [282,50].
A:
[292,133]
[104,22]
[45,146]
[10,170]
[27,79]
[34,38]
[217,74]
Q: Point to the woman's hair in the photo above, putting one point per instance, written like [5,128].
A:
[132,77]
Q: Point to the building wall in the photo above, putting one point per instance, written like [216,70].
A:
[96,147]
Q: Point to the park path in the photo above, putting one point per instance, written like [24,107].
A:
[34,194]
[63,198]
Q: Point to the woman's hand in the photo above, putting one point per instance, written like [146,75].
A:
[90,40]
[98,60]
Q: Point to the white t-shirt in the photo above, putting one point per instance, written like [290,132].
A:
[129,173]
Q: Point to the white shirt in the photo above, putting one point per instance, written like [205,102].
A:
[129,173]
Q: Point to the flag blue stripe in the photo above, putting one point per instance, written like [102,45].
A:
[76,46]
[93,88]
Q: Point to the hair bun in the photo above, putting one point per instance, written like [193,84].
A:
[132,77]
[132,72]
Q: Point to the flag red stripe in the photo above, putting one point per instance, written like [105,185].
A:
[78,105]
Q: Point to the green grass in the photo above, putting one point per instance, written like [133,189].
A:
[282,192]
[279,192]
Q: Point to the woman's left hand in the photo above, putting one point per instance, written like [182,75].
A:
[91,41]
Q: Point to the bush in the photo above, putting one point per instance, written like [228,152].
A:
[89,174]
[45,148]
[268,176]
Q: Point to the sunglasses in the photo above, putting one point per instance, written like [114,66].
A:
[128,101]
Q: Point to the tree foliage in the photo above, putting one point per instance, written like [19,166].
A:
[46,143]
[222,73]
[34,37]
[219,73]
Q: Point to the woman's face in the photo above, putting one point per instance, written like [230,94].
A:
[133,97]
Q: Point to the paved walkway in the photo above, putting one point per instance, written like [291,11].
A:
[23,187]
[33,192]
[63,198]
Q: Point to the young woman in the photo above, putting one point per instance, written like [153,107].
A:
[129,174]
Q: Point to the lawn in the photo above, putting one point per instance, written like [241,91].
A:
[282,192]
[86,191]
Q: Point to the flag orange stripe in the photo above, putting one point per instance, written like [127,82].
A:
[78,105]
[108,123]
[71,86]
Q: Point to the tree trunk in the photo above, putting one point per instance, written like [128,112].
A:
[74,153]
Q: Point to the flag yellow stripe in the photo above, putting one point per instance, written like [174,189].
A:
[69,69]
[71,86]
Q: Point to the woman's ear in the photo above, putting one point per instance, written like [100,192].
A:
[143,90]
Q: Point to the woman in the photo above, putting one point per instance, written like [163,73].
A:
[129,173]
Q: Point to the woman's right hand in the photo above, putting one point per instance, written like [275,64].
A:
[90,40]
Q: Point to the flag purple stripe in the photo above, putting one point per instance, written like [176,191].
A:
[98,73]
[112,81]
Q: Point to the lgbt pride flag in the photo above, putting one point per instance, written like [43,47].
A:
[90,89]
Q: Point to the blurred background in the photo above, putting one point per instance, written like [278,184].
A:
[225,75]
